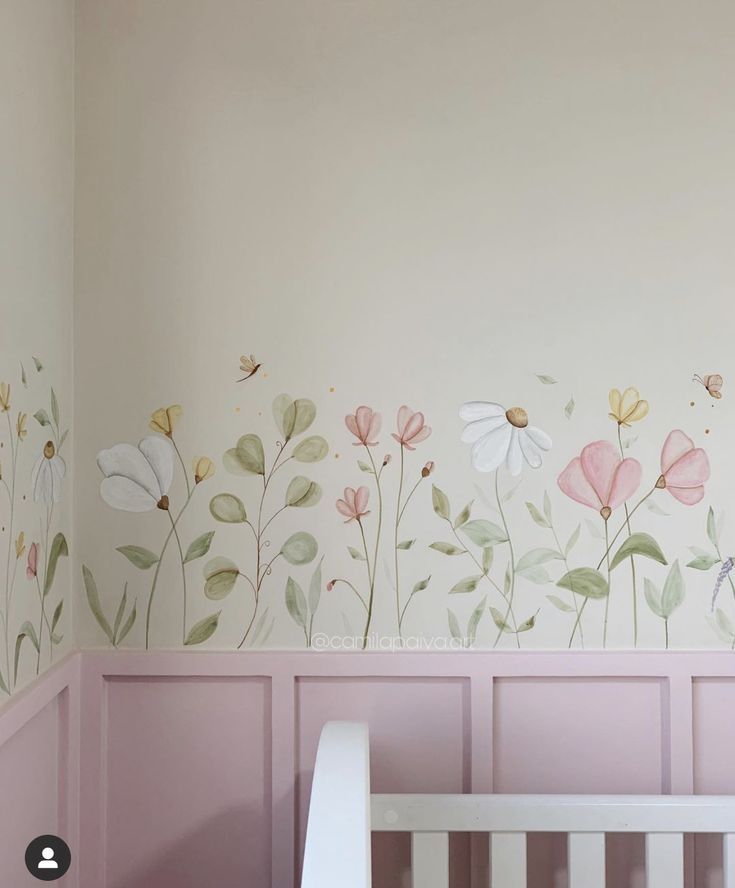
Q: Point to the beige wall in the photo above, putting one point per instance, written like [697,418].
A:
[396,202]
[36,240]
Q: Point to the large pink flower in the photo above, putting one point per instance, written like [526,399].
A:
[684,468]
[32,565]
[600,479]
[411,428]
[364,425]
[354,505]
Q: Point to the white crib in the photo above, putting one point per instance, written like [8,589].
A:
[343,813]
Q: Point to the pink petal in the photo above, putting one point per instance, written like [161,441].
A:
[351,423]
[350,497]
[599,462]
[675,446]
[363,417]
[689,470]
[344,509]
[690,496]
[374,428]
[421,435]
[625,482]
[361,499]
[413,426]
[573,482]
[404,414]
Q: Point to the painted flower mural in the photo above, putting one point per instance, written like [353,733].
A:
[600,479]
[499,436]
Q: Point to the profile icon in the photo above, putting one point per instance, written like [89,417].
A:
[48,858]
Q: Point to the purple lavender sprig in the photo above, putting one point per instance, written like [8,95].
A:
[727,566]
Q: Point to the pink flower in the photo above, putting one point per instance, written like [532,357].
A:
[364,425]
[411,428]
[354,505]
[598,478]
[427,469]
[330,585]
[32,567]
[684,468]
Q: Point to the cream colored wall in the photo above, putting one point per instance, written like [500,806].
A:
[36,241]
[396,202]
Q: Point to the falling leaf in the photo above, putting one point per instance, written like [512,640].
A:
[546,380]
[569,409]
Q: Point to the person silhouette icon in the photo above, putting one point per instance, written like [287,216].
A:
[48,861]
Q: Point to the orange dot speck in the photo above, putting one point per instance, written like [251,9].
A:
[706,431]
[331,388]
[691,403]
[237,409]
[265,376]
[336,455]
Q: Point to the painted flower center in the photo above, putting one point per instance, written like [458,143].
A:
[49,450]
[517,417]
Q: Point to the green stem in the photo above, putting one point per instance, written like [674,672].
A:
[380,523]
[183,572]
[479,566]
[371,578]
[574,597]
[666,632]
[632,559]
[348,583]
[11,494]
[622,526]
[395,541]
[607,599]
[509,611]
[183,466]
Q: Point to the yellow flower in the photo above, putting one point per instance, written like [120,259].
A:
[20,545]
[164,420]
[628,407]
[5,396]
[203,469]
[21,426]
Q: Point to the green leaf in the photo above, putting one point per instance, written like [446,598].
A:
[536,557]
[24,380]
[585,581]
[140,557]
[120,612]
[41,418]
[246,457]
[535,574]
[464,515]
[300,548]
[568,410]
[546,380]
[405,544]
[712,528]
[653,597]
[488,554]
[674,590]
[594,529]
[528,624]
[37,362]
[468,584]
[454,629]
[507,581]
[199,546]
[654,507]
[93,600]
[228,508]
[57,615]
[296,603]
[703,562]
[26,631]
[638,544]
[302,492]
[508,495]
[499,620]
[129,623]
[724,624]
[311,449]
[573,540]
[365,467]
[440,502]
[356,554]
[474,621]
[547,508]
[560,605]
[293,417]
[58,549]
[421,585]
[220,576]
[315,588]
[537,516]
[484,533]
[447,548]
[203,630]
[55,407]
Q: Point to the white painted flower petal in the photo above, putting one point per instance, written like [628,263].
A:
[123,493]
[539,438]
[489,452]
[35,478]
[128,462]
[531,453]
[160,454]
[56,474]
[514,459]
[475,430]
[474,410]
[42,482]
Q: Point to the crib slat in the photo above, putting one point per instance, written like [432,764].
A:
[508,860]
[728,860]
[430,860]
[664,860]
[586,860]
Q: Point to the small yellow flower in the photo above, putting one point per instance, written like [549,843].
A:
[20,545]
[203,469]
[21,426]
[164,420]
[628,407]
[4,396]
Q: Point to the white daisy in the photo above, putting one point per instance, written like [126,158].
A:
[47,475]
[498,435]
[137,479]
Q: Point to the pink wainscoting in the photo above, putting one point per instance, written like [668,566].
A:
[39,777]
[196,766]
